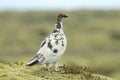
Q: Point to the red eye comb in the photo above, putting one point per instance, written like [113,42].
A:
[63,15]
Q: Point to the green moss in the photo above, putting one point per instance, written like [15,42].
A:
[18,71]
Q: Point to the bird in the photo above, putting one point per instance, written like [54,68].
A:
[52,47]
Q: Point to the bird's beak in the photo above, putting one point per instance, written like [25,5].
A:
[65,16]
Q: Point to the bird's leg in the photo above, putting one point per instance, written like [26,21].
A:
[56,66]
[47,66]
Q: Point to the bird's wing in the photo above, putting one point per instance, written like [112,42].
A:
[38,58]
[42,52]
[46,46]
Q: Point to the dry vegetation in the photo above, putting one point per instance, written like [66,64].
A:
[18,71]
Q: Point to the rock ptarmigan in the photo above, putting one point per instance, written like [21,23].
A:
[53,47]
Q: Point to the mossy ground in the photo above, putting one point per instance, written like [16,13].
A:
[18,71]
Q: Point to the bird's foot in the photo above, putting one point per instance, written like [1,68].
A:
[56,69]
[56,66]
[48,67]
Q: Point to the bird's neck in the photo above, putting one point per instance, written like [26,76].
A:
[58,28]
[59,25]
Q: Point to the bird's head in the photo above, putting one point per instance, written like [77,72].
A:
[61,17]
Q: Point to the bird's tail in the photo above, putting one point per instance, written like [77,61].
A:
[32,62]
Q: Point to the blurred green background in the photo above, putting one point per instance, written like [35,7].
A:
[93,37]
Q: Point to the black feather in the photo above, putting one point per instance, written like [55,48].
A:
[50,45]
[43,43]
[35,62]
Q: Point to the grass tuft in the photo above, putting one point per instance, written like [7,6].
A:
[18,71]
